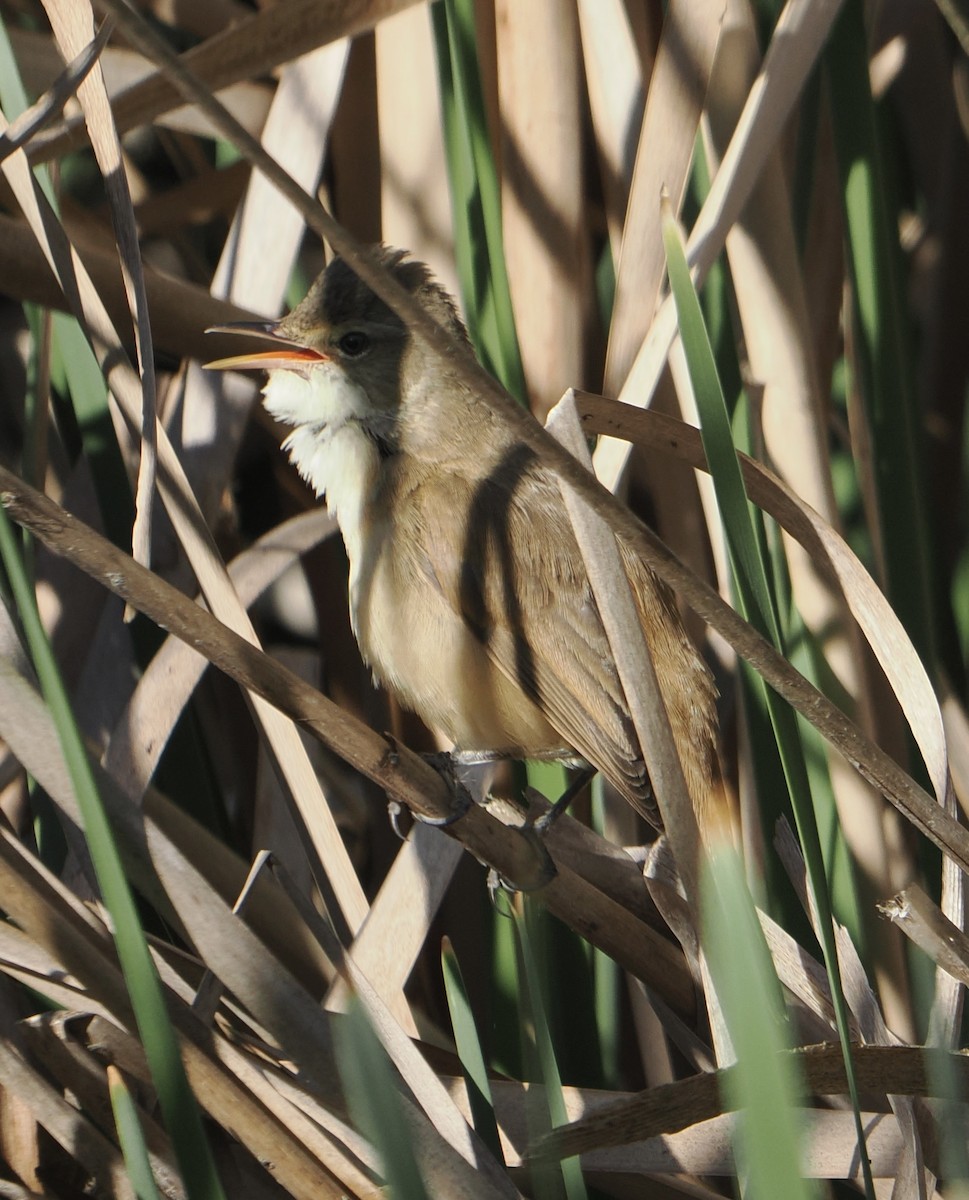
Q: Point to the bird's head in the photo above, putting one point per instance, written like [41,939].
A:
[342,353]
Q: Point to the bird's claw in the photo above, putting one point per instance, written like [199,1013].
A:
[461,800]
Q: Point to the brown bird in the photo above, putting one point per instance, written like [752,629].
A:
[468,594]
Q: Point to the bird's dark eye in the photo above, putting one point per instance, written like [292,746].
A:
[354,343]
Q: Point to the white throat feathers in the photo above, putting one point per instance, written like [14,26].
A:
[329,445]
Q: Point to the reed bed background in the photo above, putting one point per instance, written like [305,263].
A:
[223,972]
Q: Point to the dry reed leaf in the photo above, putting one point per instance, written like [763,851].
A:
[956,723]
[633,661]
[910,1178]
[804,978]
[253,47]
[194,536]
[415,205]
[391,938]
[614,79]
[21,958]
[79,1136]
[544,223]
[766,275]
[674,102]
[799,35]
[73,24]
[35,118]
[180,311]
[924,923]
[901,1070]
[28,729]
[945,1022]
[446,1120]
[257,262]
[829,1147]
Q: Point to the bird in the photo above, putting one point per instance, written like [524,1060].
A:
[468,595]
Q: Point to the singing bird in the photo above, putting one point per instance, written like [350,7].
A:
[468,594]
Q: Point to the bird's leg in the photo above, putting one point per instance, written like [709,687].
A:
[544,821]
[534,829]
[540,823]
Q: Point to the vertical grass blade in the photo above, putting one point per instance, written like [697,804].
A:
[530,937]
[374,1104]
[81,374]
[757,603]
[181,1114]
[883,344]
[475,196]
[764,1086]
[131,1137]
[469,1052]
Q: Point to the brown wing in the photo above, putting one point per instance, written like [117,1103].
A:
[518,581]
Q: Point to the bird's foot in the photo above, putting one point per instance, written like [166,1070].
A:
[460,798]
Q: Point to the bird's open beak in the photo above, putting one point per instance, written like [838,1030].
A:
[284,353]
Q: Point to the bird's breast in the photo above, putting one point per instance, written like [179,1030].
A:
[415,640]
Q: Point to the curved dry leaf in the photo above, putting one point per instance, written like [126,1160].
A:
[882,628]
[166,685]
